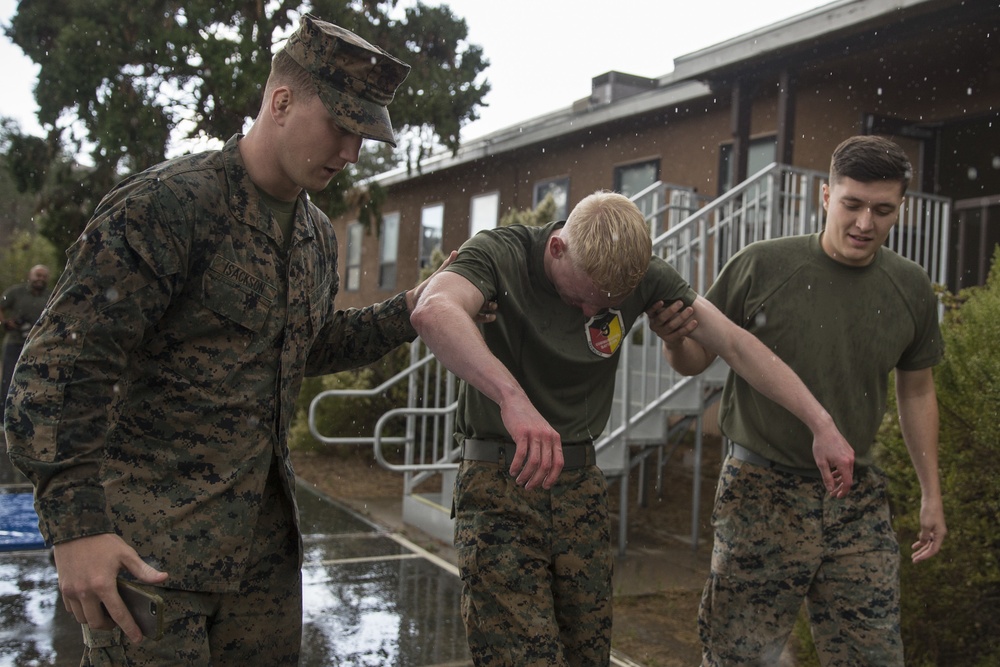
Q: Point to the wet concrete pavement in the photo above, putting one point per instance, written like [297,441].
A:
[370,598]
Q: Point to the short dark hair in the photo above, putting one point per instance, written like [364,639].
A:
[869,158]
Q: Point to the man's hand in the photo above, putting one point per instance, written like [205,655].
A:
[88,568]
[488,313]
[932,531]
[674,325]
[671,323]
[835,460]
[539,457]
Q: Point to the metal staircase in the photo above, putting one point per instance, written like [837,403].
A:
[654,407]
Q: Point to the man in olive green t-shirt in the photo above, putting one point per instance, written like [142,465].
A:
[844,312]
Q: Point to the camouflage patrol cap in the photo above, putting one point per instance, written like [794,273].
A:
[356,80]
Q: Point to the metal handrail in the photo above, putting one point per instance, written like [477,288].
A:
[441,464]
[404,374]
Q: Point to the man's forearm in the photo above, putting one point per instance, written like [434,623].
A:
[773,378]
[762,368]
[687,357]
[450,333]
[919,423]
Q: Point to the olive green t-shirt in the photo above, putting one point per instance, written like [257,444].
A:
[842,329]
[564,361]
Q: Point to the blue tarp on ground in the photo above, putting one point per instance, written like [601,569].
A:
[18,523]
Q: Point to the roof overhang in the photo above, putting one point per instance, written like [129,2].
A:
[551,126]
[691,78]
[827,24]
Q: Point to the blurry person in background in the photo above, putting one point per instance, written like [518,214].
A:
[20,307]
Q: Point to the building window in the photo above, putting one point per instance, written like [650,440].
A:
[483,212]
[355,234]
[431,225]
[559,189]
[388,251]
[632,179]
[761,153]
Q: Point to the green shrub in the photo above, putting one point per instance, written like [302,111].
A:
[950,603]
[542,214]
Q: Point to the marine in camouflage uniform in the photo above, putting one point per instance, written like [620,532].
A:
[844,312]
[153,400]
[532,527]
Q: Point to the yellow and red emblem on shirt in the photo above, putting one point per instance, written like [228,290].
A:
[605,332]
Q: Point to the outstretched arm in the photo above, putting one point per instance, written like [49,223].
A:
[772,377]
[443,318]
[918,420]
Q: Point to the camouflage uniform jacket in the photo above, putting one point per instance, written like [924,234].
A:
[147,403]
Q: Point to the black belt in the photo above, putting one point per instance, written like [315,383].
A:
[575,455]
[741,453]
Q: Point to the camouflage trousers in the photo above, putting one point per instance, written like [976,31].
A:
[261,624]
[781,540]
[536,568]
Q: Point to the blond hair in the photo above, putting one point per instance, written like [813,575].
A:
[608,239]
